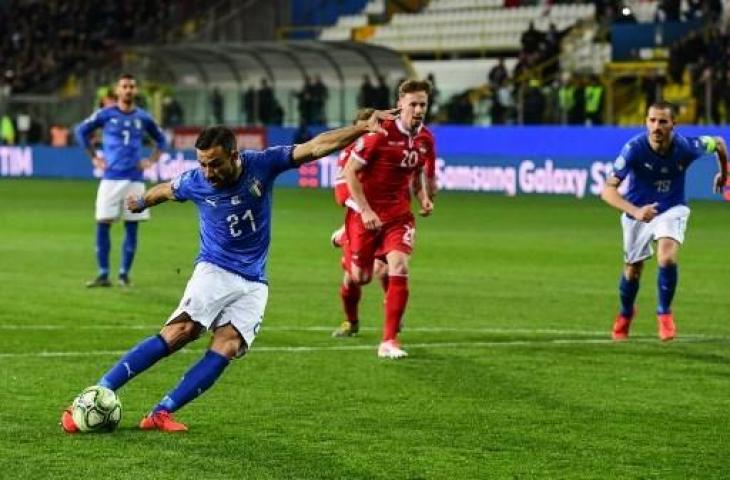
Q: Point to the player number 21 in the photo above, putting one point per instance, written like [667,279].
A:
[234,219]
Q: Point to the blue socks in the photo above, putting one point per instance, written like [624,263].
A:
[129,247]
[142,356]
[103,244]
[197,380]
[666,285]
[627,291]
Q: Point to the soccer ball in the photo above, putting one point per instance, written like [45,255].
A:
[96,409]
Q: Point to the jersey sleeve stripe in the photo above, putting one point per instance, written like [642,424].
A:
[358,158]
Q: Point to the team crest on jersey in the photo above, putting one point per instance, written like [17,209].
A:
[138,124]
[256,187]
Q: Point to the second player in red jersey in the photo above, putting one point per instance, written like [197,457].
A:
[380,173]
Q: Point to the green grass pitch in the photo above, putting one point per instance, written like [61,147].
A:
[510,375]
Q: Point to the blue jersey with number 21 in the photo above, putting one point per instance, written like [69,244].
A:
[235,221]
[659,178]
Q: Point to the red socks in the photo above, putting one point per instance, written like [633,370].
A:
[350,295]
[395,305]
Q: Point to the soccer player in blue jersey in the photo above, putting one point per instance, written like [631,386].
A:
[228,289]
[124,127]
[655,209]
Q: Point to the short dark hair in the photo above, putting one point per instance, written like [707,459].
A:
[126,76]
[413,85]
[363,114]
[211,137]
[663,105]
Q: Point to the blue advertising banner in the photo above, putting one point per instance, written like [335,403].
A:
[510,161]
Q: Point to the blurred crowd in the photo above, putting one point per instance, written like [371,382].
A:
[42,42]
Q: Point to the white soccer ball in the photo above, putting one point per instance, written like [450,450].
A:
[97,408]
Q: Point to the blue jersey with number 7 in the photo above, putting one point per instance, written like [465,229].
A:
[122,139]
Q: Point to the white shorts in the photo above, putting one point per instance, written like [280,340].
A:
[110,200]
[638,236]
[215,297]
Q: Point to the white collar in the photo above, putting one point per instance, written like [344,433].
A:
[405,131]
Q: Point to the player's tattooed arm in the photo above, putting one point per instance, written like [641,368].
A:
[721,177]
[160,193]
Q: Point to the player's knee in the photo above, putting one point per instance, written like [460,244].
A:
[229,345]
[632,271]
[666,260]
[380,269]
[360,277]
[180,332]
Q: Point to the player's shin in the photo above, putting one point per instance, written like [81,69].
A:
[666,285]
[395,305]
[350,294]
[197,380]
[145,354]
[129,248]
[103,245]
[628,289]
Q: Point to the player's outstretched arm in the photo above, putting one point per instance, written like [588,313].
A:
[721,177]
[160,193]
[328,142]
[611,196]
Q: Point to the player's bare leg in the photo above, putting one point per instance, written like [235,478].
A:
[667,254]
[628,289]
[395,304]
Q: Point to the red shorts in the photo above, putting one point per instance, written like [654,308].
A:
[364,246]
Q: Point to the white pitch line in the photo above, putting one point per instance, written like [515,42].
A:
[338,348]
[283,328]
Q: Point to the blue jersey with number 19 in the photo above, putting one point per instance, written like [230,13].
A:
[659,178]
[235,221]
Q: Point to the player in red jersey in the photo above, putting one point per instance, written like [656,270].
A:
[351,292]
[380,172]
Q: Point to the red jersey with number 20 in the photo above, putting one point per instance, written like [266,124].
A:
[390,162]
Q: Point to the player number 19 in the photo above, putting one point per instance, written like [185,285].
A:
[234,219]
[662,186]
